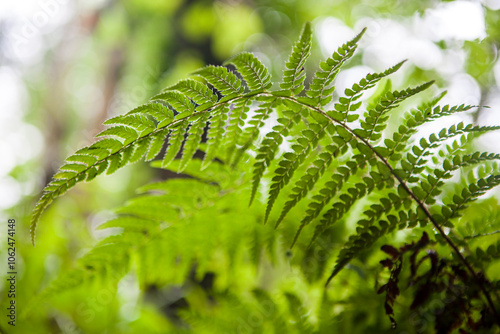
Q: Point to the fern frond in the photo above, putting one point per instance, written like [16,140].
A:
[331,188]
[251,133]
[350,249]
[255,74]
[346,165]
[87,160]
[294,74]
[269,145]
[142,123]
[215,134]
[195,90]
[178,116]
[429,187]
[339,208]
[460,201]
[223,80]
[374,121]
[73,167]
[124,132]
[346,104]
[320,90]
[143,145]
[292,160]
[193,139]
[109,154]
[179,102]
[380,177]
[412,121]
[235,126]
[415,160]
[158,109]
[367,234]
[155,145]
[162,114]
[310,177]
[175,139]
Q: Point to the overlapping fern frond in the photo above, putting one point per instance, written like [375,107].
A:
[337,157]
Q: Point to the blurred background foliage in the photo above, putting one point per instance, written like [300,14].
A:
[66,66]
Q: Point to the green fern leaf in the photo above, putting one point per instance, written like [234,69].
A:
[374,121]
[328,192]
[155,145]
[74,167]
[462,198]
[87,160]
[431,183]
[294,74]
[142,146]
[96,153]
[193,138]
[319,89]
[346,103]
[331,188]
[215,134]
[113,163]
[235,126]
[367,234]
[195,90]
[255,74]
[292,160]
[223,80]
[348,163]
[126,133]
[175,140]
[179,102]
[109,144]
[412,121]
[340,208]
[158,109]
[415,160]
[255,124]
[269,146]
[140,122]
[309,179]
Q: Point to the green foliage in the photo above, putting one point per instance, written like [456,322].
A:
[294,73]
[329,155]
[320,88]
[256,75]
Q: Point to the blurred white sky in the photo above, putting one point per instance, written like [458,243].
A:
[35,24]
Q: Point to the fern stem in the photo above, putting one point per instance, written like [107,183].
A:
[417,200]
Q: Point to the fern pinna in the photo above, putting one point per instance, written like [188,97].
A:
[338,152]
